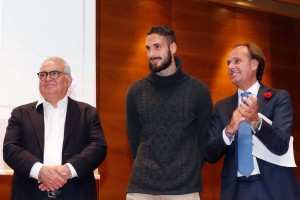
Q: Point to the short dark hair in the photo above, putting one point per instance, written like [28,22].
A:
[255,53]
[163,31]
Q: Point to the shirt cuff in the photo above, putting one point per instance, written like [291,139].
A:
[258,125]
[73,171]
[226,139]
[35,170]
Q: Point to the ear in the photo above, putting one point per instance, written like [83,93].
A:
[254,64]
[173,47]
[69,80]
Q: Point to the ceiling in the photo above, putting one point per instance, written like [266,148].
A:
[289,8]
[295,2]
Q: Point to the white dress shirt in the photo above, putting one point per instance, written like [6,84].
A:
[254,91]
[54,120]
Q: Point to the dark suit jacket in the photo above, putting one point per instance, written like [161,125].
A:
[84,146]
[280,181]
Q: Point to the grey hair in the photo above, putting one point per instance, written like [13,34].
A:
[67,68]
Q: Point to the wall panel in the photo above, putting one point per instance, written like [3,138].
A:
[285,64]
[205,31]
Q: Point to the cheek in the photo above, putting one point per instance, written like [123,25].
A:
[43,86]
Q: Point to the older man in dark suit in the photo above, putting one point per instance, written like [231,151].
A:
[55,144]
[268,112]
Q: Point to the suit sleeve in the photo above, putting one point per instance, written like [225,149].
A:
[216,146]
[279,110]
[17,152]
[86,149]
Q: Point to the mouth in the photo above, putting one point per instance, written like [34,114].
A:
[49,84]
[155,59]
[233,73]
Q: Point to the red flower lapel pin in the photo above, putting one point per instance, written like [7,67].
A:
[268,95]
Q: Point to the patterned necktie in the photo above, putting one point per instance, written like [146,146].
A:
[245,159]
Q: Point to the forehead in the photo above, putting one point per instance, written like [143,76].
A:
[240,51]
[155,39]
[49,65]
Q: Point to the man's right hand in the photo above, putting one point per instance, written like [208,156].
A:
[236,118]
[50,179]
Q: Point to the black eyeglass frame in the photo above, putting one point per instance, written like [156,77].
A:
[53,74]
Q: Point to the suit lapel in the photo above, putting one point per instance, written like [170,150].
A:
[233,104]
[72,117]
[36,116]
[261,98]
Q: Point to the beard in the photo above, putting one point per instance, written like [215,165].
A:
[164,65]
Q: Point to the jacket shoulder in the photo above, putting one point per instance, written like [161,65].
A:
[26,106]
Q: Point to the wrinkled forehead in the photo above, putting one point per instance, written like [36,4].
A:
[50,65]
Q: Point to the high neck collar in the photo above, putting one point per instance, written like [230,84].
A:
[166,80]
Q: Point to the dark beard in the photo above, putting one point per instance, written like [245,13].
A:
[164,65]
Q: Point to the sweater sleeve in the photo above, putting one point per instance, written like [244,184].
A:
[204,113]
[133,126]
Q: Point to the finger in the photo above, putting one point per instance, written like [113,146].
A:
[253,97]
[248,101]
[42,187]
[53,181]
[59,182]
[243,109]
[63,171]
[254,101]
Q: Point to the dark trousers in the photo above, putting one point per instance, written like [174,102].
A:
[251,188]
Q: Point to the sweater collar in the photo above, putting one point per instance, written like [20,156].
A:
[164,80]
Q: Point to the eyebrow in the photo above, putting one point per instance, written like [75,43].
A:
[230,60]
[155,44]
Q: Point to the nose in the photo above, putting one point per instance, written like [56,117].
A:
[231,66]
[151,53]
[48,77]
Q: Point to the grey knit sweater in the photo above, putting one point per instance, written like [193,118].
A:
[167,126]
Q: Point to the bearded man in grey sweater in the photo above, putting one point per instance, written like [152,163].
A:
[168,114]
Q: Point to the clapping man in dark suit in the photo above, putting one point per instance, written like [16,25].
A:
[269,112]
[55,144]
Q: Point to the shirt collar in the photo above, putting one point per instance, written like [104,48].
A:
[42,100]
[253,89]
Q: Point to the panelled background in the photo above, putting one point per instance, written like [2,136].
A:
[205,32]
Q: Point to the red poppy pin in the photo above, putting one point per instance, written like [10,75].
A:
[268,95]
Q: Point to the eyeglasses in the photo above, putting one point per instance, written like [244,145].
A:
[53,74]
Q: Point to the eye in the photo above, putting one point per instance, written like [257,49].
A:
[237,61]
[42,74]
[228,62]
[54,73]
[157,46]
